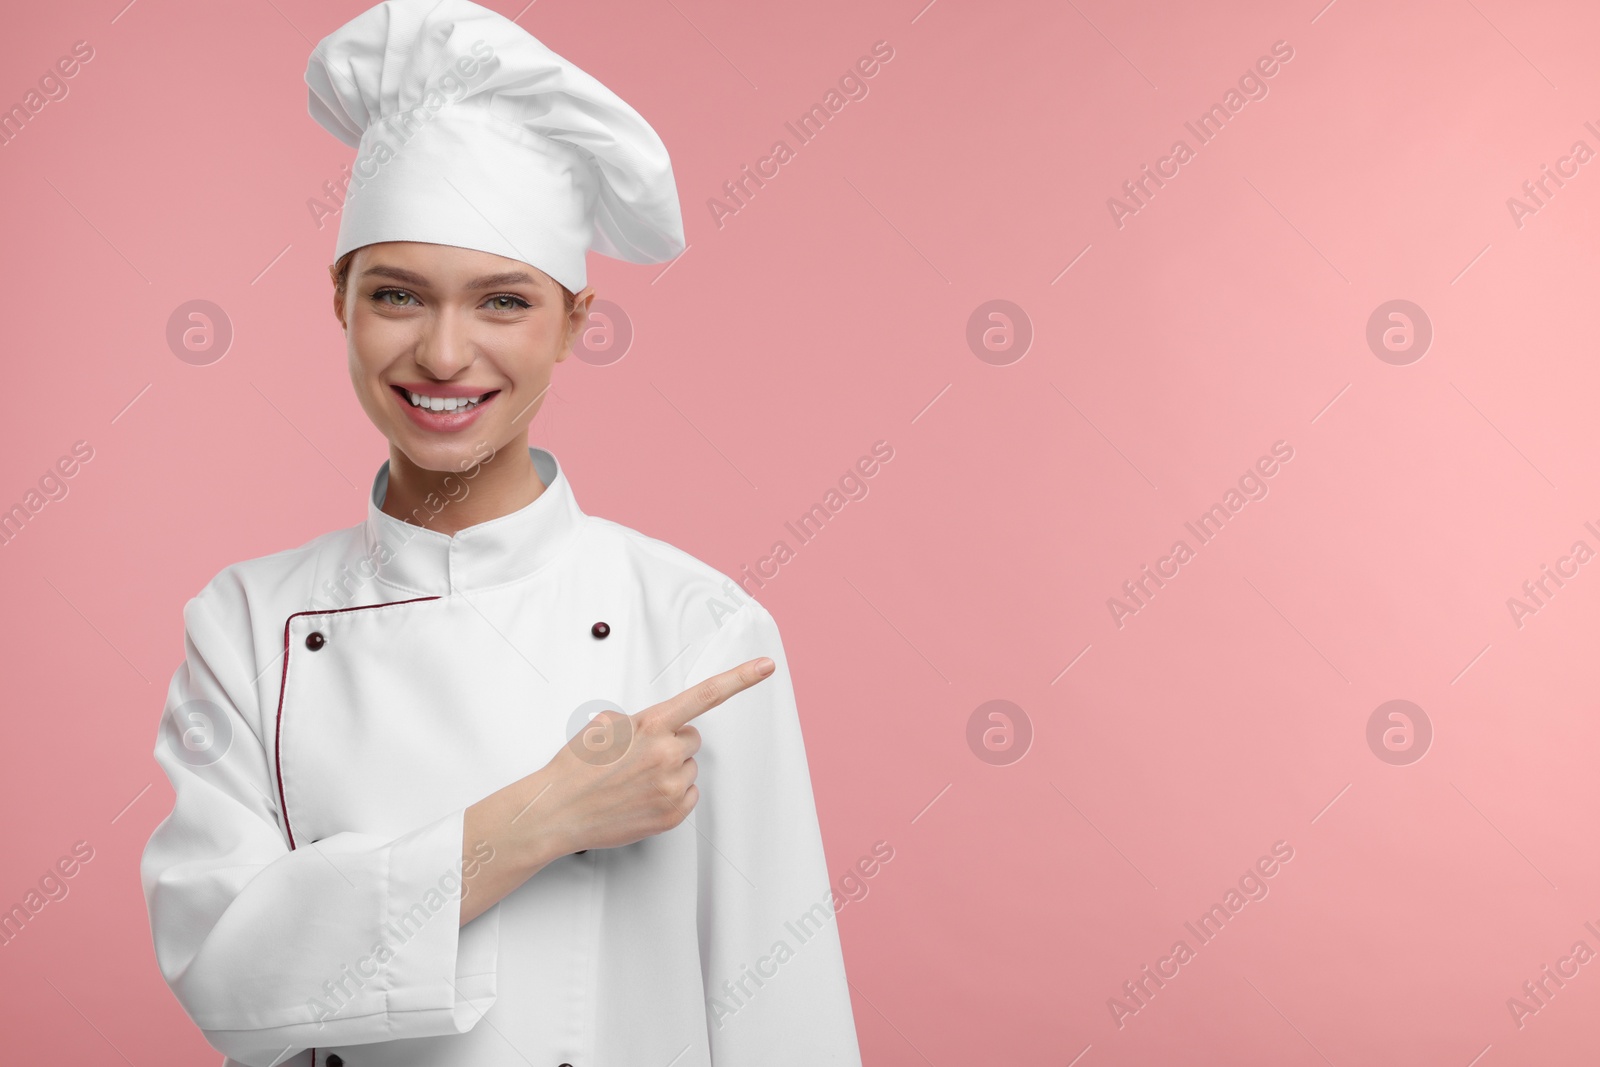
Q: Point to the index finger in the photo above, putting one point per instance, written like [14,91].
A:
[676,711]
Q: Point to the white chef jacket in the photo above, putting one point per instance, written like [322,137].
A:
[342,703]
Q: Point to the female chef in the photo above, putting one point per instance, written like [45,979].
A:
[484,780]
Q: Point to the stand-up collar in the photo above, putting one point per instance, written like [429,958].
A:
[421,560]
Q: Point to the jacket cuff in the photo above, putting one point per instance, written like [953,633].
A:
[438,963]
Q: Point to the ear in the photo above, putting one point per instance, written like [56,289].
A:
[338,305]
[578,320]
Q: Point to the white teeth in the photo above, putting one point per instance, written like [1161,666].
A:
[441,403]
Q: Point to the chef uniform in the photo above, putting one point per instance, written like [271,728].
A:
[341,704]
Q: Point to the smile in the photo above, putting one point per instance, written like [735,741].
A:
[444,403]
[442,412]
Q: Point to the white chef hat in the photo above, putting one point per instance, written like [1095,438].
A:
[471,132]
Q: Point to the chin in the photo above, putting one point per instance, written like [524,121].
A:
[453,456]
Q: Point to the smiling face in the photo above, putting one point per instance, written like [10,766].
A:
[471,335]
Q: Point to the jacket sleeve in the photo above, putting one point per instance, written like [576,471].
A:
[271,950]
[770,952]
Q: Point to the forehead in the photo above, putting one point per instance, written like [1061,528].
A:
[445,266]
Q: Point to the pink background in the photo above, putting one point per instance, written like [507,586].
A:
[831,312]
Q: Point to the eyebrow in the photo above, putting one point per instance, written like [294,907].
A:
[486,281]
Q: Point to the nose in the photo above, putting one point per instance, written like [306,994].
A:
[445,349]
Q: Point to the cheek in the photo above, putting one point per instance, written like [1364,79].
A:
[374,343]
[533,354]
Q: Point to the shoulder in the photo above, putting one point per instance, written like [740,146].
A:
[274,585]
[676,583]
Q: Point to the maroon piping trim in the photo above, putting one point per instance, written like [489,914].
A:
[283,687]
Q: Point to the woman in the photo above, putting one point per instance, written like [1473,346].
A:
[439,798]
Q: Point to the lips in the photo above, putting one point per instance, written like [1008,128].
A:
[440,420]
